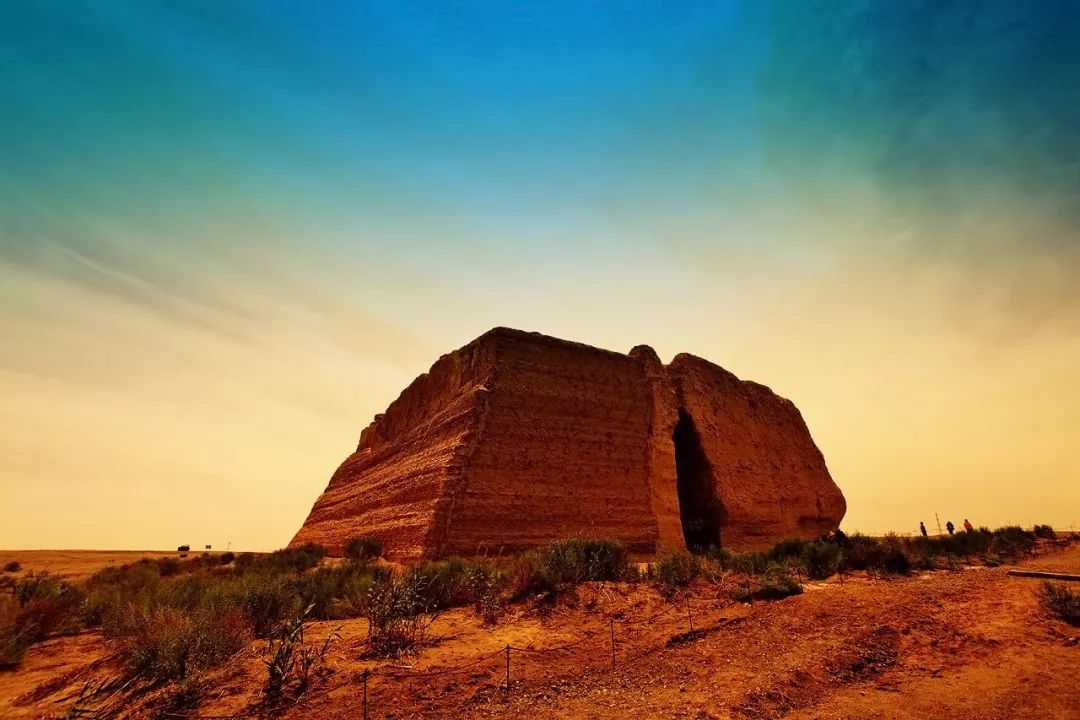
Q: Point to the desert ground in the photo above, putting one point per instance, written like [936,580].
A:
[962,643]
[76,564]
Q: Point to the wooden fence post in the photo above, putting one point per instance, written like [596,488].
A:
[611,621]
[507,668]
[365,694]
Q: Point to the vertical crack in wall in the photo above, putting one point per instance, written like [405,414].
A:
[700,510]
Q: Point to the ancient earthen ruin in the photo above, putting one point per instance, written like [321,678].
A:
[518,439]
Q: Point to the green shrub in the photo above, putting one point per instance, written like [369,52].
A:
[15,638]
[319,589]
[582,560]
[398,614]
[1012,541]
[292,664]
[295,560]
[749,563]
[447,583]
[1061,601]
[1044,532]
[13,566]
[163,643]
[525,577]
[677,569]
[487,587]
[168,566]
[363,549]
[112,590]
[789,549]
[545,571]
[821,559]
[895,561]
[46,604]
[266,602]
[862,552]
[923,560]
[773,584]
[971,544]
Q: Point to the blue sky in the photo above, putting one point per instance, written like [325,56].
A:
[231,232]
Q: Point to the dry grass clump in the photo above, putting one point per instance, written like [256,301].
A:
[774,584]
[1061,600]
[363,549]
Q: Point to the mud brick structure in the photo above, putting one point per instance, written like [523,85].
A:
[518,439]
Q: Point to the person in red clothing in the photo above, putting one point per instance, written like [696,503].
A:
[967,525]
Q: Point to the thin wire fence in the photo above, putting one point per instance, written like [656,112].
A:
[361,681]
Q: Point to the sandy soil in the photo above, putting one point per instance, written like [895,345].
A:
[971,643]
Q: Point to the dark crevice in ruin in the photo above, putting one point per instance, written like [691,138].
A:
[700,510]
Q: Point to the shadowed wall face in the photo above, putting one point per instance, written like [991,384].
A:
[702,516]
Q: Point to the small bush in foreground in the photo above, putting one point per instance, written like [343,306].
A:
[266,602]
[746,563]
[821,559]
[398,614]
[582,560]
[677,569]
[1044,532]
[165,643]
[13,566]
[46,604]
[15,639]
[774,584]
[1061,601]
[292,664]
[363,549]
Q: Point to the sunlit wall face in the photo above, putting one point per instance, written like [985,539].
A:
[230,233]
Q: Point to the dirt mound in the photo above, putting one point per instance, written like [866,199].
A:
[518,439]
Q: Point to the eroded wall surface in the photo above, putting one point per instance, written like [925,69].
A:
[563,451]
[398,483]
[769,478]
[519,439]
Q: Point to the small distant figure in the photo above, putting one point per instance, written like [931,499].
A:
[967,526]
[950,527]
[922,528]
[207,547]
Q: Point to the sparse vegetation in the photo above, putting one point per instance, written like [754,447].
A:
[1044,532]
[774,584]
[677,569]
[291,664]
[399,611]
[165,643]
[363,549]
[173,619]
[13,566]
[581,560]
[1061,600]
